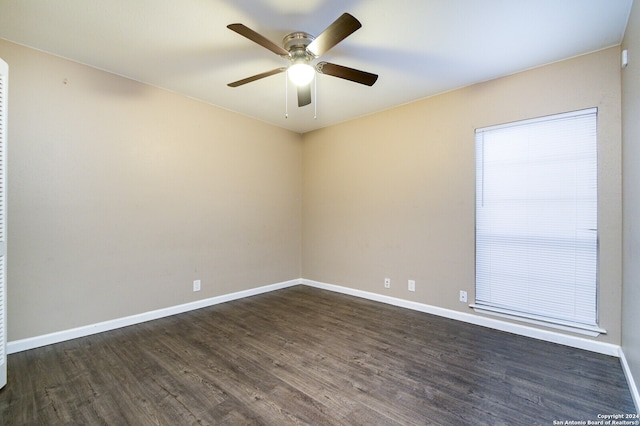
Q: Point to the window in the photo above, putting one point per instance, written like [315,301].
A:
[536,220]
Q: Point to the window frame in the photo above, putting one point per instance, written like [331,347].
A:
[525,315]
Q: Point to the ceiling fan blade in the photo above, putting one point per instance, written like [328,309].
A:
[304,95]
[256,77]
[341,28]
[347,73]
[247,32]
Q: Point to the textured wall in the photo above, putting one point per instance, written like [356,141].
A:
[392,194]
[121,194]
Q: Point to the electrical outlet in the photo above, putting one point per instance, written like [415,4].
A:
[196,285]
[412,285]
[463,296]
[387,283]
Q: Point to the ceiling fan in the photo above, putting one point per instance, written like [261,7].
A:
[300,49]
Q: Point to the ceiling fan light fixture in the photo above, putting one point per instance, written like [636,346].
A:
[301,73]
[301,48]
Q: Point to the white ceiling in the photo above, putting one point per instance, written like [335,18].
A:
[418,47]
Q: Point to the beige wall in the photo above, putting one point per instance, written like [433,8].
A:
[392,194]
[121,194]
[631,194]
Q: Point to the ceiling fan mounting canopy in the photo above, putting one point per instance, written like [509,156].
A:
[300,48]
[297,42]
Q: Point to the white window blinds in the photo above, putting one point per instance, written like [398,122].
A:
[536,218]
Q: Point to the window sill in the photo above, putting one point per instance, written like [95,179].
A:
[592,331]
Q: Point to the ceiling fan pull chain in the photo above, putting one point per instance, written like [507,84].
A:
[286,96]
[315,96]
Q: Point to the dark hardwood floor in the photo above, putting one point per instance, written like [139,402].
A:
[308,356]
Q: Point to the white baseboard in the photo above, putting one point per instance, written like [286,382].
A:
[632,384]
[61,336]
[523,330]
[536,333]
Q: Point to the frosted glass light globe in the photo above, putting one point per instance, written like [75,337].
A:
[301,74]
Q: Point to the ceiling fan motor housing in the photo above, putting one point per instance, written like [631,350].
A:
[296,44]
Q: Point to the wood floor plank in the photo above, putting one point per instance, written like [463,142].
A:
[307,356]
